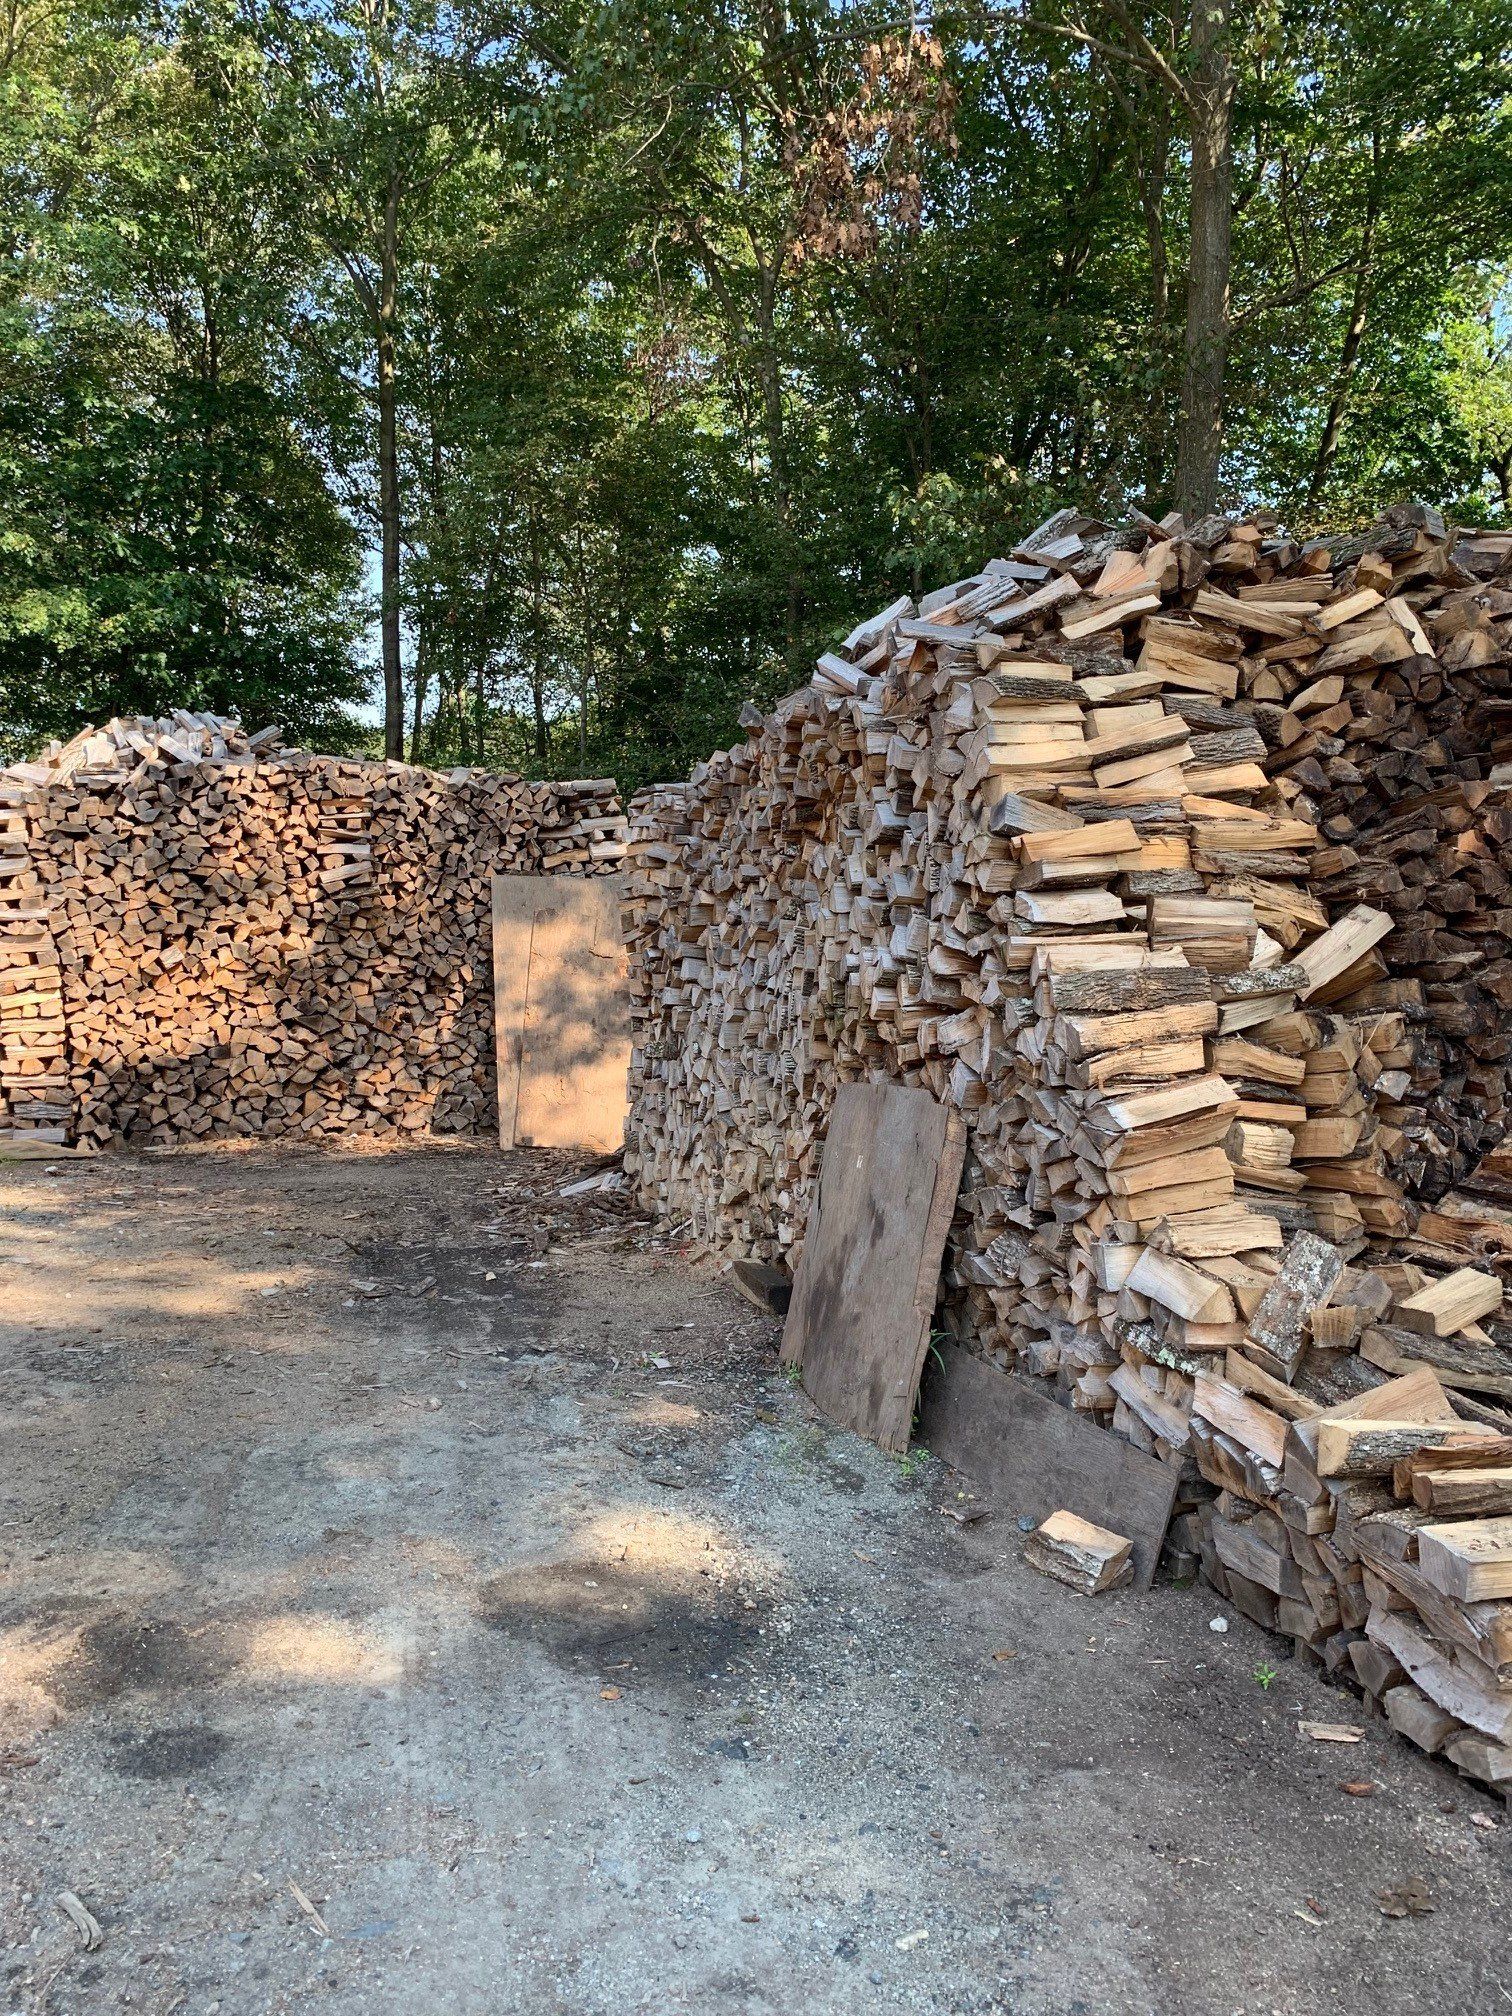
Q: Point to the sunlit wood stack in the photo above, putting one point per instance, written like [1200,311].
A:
[1048,843]
[205,933]
[988,828]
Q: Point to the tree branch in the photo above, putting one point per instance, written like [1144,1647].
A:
[1290,296]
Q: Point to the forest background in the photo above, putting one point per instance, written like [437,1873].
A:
[533,384]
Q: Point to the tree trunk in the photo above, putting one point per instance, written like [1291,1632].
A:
[1349,360]
[388,480]
[422,681]
[588,675]
[538,651]
[429,643]
[1210,91]
[769,374]
[1153,175]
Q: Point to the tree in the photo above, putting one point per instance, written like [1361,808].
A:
[636,347]
[371,104]
[1350,141]
[169,537]
[1478,366]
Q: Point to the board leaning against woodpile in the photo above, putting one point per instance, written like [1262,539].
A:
[205,933]
[1082,844]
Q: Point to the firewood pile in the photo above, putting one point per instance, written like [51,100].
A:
[1369,1521]
[205,933]
[1053,843]
[1411,772]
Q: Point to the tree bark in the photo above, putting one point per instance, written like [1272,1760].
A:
[769,374]
[538,652]
[388,478]
[1153,172]
[1210,99]
[1349,359]
[422,683]
[588,670]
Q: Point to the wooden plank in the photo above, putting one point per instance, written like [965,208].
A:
[1033,1458]
[561,1023]
[514,898]
[865,1287]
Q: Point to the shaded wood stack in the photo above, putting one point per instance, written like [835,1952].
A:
[213,934]
[36,1105]
[1407,761]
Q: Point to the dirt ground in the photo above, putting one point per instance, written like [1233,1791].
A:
[421,1593]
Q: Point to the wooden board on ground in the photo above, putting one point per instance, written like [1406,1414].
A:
[1032,1457]
[561,1020]
[865,1288]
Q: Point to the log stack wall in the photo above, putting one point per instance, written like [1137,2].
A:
[205,934]
[1097,846]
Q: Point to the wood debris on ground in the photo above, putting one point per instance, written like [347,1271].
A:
[1088,845]
[1086,1557]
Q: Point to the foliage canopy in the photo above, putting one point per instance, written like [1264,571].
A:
[648,342]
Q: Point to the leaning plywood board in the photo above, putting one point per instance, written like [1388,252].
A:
[1032,1457]
[561,1023]
[864,1291]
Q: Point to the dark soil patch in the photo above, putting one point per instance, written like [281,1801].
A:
[167,1753]
[595,1615]
[121,1654]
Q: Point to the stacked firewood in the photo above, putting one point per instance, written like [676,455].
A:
[1049,844]
[1407,760]
[205,933]
[1361,1454]
[35,1102]
[1041,787]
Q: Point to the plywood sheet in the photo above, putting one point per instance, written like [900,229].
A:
[1031,1457]
[865,1288]
[561,1014]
